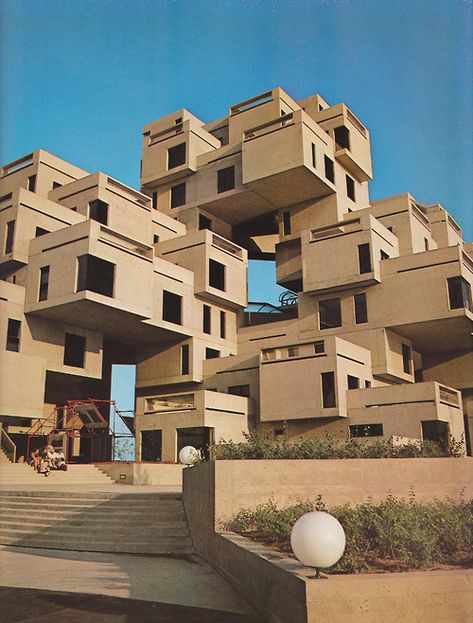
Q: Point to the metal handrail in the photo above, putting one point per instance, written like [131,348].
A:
[7,445]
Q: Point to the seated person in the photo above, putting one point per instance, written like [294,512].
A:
[44,465]
[35,459]
[50,454]
[60,460]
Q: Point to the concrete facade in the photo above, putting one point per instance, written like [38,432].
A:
[377,338]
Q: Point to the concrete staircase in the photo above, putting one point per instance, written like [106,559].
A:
[22,474]
[3,457]
[137,523]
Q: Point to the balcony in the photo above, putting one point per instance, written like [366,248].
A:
[283,159]
[401,409]
[346,254]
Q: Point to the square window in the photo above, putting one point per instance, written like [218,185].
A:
[319,347]
[217,275]
[330,314]
[176,156]
[350,187]
[211,353]
[74,350]
[172,307]
[13,335]
[96,275]
[459,293]
[329,169]
[178,195]
[226,179]
[205,222]
[342,137]
[98,211]
[353,382]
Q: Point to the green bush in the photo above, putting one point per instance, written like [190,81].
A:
[264,446]
[395,534]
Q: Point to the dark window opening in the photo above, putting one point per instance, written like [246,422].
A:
[205,222]
[240,390]
[212,353]
[41,232]
[353,382]
[383,255]
[206,316]
[178,195]
[434,430]
[226,179]
[200,437]
[406,358]
[293,351]
[217,275]
[151,445]
[330,314]
[286,223]
[342,137]
[329,169]
[32,183]
[96,275]
[426,244]
[459,293]
[9,237]
[350,187]
[328,390]
[361,309]
[364,258]
[155,238]
[56,185]
[74,350]
[172,307]
[319,347]
[176,156]
[98,211]
[43,283]
[366,430]
[154,200]
[223,325]
[367,384]
[418,375]
[314,156]
[185,359]
[13,335]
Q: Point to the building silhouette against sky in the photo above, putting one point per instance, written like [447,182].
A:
[373,337]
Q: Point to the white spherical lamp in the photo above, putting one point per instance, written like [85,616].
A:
[318,540]
[189,455]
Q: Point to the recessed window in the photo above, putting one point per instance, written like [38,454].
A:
[330,314]
[350,187]
[383,255]
[10,233]
[13,335]
[319,347]
[426,244]
[155,238]
[361,309]
[98,211]
[367,384]
[329,169]
[185,359]
[459,293]
[364,258]
[154,200]
[406,358]
[32,183]
[223,325]
[206,315]
[328,390]
[353,382]
[314,156]
[239,390]
[204,222]
[226,179]
[286,223]
[366,430]
[176,156]
[217,275]
[43,283]
[178,195]
[293,351]
[172,307]
[342,137]
[211,353]
[41,232]
[74,350]
[56,185]
[96,275]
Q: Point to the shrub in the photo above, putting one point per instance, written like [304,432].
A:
[395,534]
[264,446]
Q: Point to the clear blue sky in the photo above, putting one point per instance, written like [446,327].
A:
[81,77]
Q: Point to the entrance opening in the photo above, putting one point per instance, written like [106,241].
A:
[433,430]
[201,437]
[151,445]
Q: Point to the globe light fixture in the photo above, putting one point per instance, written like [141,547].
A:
[318,540]
[189,455]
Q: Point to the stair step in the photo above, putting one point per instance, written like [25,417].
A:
[92,523]
[95,533]
[90,495]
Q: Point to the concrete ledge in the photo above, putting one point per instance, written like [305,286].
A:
[144,473]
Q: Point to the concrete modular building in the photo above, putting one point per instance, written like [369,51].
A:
[377,338]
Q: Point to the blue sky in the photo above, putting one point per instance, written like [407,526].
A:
[80,78]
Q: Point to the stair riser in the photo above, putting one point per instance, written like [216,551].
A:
[181,550]
[82,520]
[52,533]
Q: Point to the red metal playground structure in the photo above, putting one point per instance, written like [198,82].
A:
[86,430]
